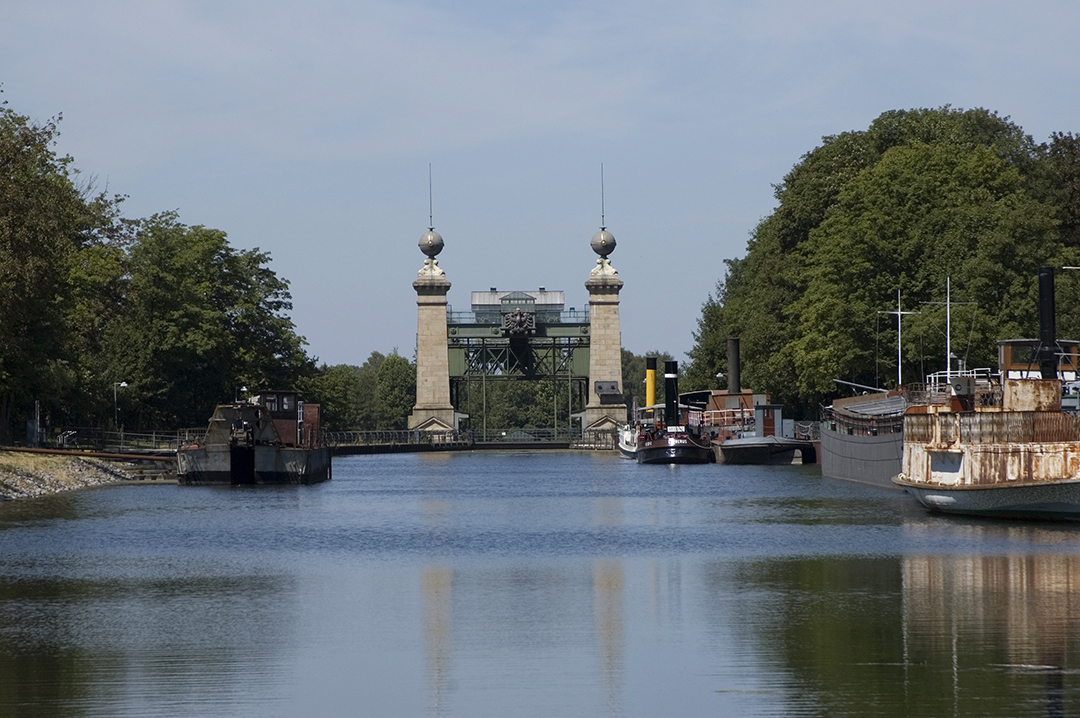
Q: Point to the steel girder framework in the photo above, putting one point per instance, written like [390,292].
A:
[558,361]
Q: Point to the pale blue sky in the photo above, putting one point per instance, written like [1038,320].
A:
[306,130]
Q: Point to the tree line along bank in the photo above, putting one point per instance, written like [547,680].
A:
[92,298]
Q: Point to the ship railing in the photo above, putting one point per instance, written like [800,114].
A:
[928,394]
[981,375]
[732,419]
[858,425]
[941,394]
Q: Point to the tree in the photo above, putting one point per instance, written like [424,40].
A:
[347,394]
[921,196]
[395,393]
[193,319]
[44,220]
[89,299]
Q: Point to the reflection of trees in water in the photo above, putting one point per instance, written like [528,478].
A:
[69,646]
[919,636]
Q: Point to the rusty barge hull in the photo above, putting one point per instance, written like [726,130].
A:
[764,450]
[218,465]
[248,443]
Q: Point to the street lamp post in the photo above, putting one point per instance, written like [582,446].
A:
[116,405]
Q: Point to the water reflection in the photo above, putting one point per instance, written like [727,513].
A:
[921,635]
[437,584]
[68,647]
[1006,621]
[532,586]
[608,587]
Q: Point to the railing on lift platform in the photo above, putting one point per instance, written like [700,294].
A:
[517,436]
[393,437]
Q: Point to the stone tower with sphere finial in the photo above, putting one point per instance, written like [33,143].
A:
[433,411]
[606,407]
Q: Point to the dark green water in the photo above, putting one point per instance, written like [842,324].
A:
[534,584]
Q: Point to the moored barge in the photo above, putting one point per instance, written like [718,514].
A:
[274,438]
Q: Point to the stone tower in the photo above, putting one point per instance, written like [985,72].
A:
[433,411]
[606,407]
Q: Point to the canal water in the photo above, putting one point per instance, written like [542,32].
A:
[532,584]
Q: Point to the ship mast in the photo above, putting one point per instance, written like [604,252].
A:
[899,347]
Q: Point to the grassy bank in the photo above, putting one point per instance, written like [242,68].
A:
[25,475]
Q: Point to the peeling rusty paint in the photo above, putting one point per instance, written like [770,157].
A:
[997,447]
[1032,395]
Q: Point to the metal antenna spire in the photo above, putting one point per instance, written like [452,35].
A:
[431,224]
[603,225]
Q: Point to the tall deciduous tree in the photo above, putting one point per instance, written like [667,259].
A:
[396,392]
[919,198]
[194,318]
[347,394]
[45,218]
[89,299]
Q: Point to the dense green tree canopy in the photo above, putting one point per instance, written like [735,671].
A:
[45,219]
[395,392]
[89,299]
[196,318]
[920,199]
[347,394]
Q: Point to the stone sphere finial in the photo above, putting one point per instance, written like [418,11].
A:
[431,243]
[603,243]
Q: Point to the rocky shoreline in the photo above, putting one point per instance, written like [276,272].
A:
[26,475]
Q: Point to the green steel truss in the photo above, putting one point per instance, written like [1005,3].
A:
[554,353]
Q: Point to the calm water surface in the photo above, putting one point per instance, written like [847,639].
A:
[532,584]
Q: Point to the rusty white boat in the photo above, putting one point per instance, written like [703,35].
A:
[1021,459]
[1008,450]
[271,439]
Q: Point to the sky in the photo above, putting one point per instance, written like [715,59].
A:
[307,130]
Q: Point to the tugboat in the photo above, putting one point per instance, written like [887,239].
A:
[671,441]
[274,438]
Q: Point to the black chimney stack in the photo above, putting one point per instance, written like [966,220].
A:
[1048,351]
[671,393]
[734,380]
